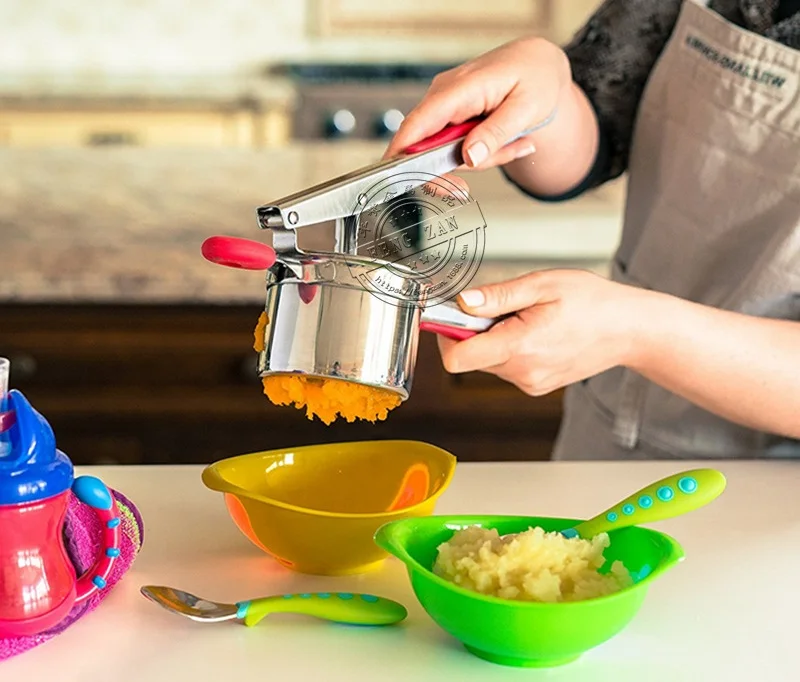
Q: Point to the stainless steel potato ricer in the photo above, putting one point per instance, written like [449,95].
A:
[406,241]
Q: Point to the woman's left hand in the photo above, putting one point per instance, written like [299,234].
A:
[567,325]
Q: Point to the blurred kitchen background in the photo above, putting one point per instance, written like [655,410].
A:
[131,131]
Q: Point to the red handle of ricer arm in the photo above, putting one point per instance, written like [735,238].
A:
[455,333]
[448,134]
[235,252]
[94,493]
[454,132]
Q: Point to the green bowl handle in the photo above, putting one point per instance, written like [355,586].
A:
[671,496]
[391,538]
[341,607]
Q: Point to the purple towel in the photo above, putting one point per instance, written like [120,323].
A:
[83,533]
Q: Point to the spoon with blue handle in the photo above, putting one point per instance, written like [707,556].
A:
[350,609]
[671,496]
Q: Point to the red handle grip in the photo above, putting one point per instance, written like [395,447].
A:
[94,493]
[454,132]
[455,333]
[448,134]
[235,252]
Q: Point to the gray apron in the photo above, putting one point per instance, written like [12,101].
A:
[712,216]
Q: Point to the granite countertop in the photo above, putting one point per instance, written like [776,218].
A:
[126,225]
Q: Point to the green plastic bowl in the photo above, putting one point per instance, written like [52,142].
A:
[525,634]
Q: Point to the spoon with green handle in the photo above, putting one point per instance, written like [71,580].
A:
[671,496]
[342,607]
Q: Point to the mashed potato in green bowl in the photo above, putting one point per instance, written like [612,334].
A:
[535,600]
[533,565]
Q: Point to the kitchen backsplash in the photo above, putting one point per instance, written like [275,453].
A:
[99,38]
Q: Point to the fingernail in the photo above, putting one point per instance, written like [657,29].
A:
[527,151]
[473,298]
[477,153]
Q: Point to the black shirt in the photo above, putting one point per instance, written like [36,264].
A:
[786,9]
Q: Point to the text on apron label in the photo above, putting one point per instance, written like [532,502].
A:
[766,76]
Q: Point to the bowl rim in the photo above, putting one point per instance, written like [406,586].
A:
[676,555]
[214,480]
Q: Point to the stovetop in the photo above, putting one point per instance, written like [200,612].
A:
[359,100]
[361,72]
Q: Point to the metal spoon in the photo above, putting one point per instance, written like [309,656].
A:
[342,607]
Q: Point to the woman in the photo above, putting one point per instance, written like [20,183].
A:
[692,350]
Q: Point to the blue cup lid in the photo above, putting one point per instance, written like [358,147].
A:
[33,469]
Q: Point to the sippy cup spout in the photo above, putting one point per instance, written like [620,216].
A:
[5,370]
[32,440]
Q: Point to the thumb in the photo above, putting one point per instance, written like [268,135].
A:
[507,297]
[502,126]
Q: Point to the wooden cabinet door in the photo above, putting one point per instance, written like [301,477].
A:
[500,18]
[178,385]
[198,128]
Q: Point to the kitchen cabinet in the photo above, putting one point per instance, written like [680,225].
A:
[48,125]
[455,19]
[176,384]
[504,19]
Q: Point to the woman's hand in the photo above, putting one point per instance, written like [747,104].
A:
[516,85]
[566,326]
[570,325]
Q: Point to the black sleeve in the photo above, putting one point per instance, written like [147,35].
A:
[611,58]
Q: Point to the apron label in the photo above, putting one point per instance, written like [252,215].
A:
[762,74]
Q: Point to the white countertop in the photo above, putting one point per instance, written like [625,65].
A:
[727,613]
[567,232]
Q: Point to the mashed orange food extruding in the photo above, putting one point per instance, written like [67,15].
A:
[325,398]
[261,327]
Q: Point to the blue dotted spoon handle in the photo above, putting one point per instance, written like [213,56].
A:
[94,493]
[672,496]
[342,607]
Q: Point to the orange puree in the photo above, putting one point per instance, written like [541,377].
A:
[263,321]
[325,398]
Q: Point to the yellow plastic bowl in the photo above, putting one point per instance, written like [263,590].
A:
[316,508]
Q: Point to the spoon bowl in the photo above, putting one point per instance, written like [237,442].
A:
[188,604]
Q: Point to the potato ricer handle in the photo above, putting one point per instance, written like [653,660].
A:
[457,131]
[447,134]
[448,320]
[235,252]
[455,333]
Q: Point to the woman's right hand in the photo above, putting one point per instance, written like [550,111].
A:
[515,87]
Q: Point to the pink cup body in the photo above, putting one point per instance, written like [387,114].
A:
[37,579]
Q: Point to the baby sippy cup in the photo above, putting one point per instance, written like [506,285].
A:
[38,585]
